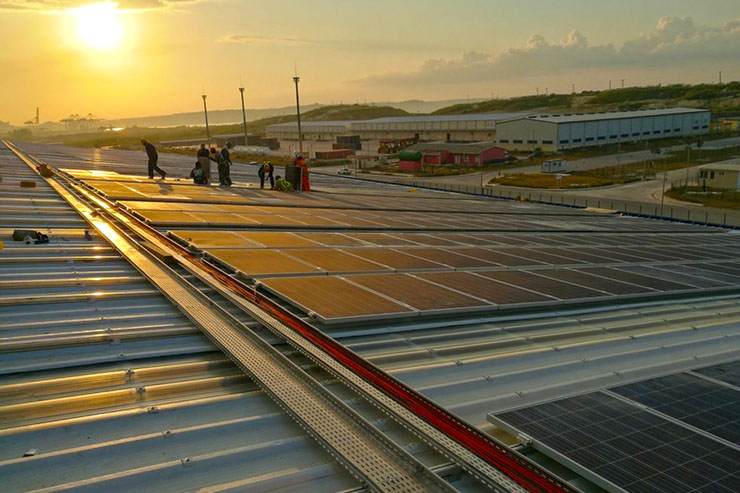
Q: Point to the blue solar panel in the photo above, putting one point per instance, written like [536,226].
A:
[726,372]
[627,446]
[701,403]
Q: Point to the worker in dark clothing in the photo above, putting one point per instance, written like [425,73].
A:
[198,175]
[205,162]
[266,170]
[151,153]
[224,178]
[226,157]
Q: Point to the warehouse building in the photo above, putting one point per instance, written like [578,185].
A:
[311,130]
[464,128]
[556,132]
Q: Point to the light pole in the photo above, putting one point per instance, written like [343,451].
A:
[244,117]
[298,114]
[205,111]
[688,157]
[665,174]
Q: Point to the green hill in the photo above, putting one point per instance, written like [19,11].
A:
[720,98]
[332,113]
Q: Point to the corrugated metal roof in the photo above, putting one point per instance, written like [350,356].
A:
[472,148]
[611,115]
[105,384]
[471,364]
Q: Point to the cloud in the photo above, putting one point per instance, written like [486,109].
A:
[62,6]
[249,39]
[674,40]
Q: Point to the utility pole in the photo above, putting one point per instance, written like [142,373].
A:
[244,117]
[298,114]
[538,91]
[205,111]
[720,77]
[665,175]
[688,155]
[622,83]
[610,84]
[574,88]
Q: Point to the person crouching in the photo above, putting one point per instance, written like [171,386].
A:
[198,174]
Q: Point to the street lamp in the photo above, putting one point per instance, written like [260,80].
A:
[298,114]
[244,117]
[205,111]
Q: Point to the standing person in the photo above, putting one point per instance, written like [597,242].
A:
[266,170]
[205,162]
[223,167]
[151,153]
[226,156]
[301,163]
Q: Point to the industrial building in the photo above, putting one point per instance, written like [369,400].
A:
[311,130]
[370,337]
[555,132]
[465,128]
[473,154]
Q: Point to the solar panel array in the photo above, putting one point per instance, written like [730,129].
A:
[427,253]
[624,447]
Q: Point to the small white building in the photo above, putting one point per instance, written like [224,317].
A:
[554,166]
[720,176]
[555,132]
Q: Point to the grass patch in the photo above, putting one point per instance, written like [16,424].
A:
[548,181]
[726,199]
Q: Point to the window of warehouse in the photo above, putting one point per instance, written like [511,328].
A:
[517,141]
[506,141]
[564,141]
[547,142]
[530,141]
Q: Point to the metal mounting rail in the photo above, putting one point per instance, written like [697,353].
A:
[378,463]
[491,462]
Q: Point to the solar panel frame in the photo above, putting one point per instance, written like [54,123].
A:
[486,289]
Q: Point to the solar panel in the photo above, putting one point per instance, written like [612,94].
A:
[633,278]
[208,239]
[394,260]
[415,292]
[380,239]
[497,256]
[595,282]
[542,256]
[335,260]
[625,446]
[701,403]
[727,372]
[551,287]
[330,239]
[332,298]
[446,257]
[258,262]
[659,273]
[277,239]
[487,289]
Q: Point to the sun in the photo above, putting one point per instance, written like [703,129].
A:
[98,25]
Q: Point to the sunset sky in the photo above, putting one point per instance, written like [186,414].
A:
[150,57]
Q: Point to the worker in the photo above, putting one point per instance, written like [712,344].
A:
[198,175]
[223,167]
[266,170]
[301,163]
[226,156]
[151,153]
[205,162]
[283,185]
